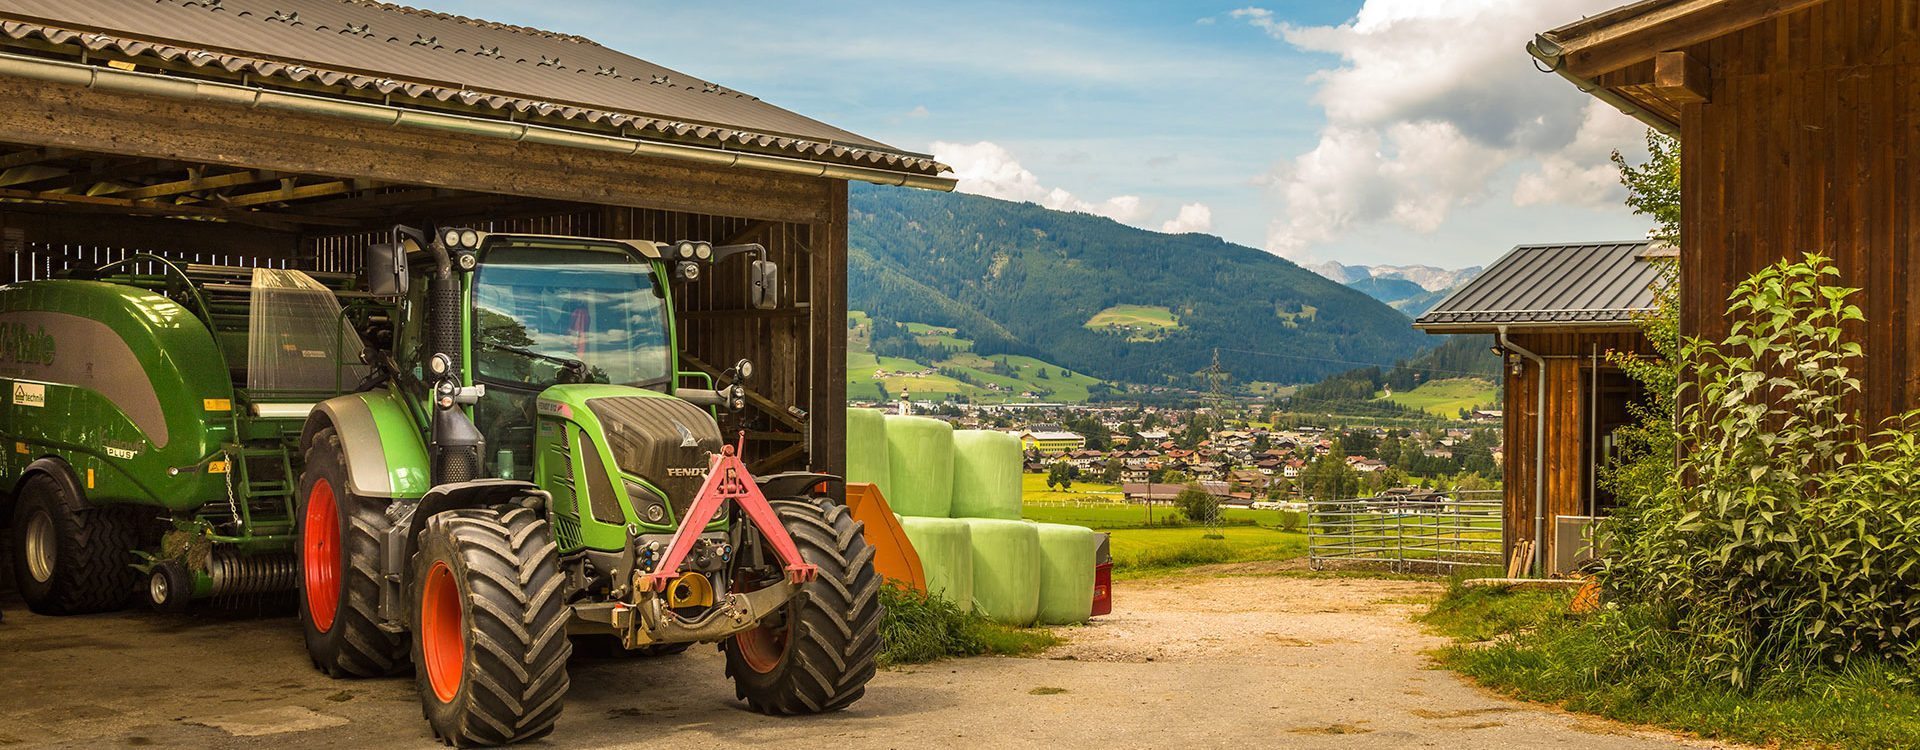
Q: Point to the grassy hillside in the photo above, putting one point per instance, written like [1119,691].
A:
[1018,279]
[965,374]
[1445,398]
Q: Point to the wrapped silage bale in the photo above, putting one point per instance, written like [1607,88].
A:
[945,546]
[920,458]
[1066,573]
[986,474]
[1006,570]
[867,459]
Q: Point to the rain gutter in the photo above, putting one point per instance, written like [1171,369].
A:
[1554,56]
[1539,447]
[215,92]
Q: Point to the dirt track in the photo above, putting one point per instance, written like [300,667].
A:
[1187,661]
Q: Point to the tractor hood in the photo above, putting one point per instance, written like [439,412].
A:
[661,440]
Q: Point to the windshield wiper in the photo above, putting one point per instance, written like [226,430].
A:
[576,367]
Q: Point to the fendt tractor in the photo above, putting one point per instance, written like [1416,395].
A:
[469,457]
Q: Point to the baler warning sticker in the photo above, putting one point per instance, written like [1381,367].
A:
[217,404]
[29,394]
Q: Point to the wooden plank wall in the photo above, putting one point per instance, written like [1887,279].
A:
[1806,144]
[1568,370]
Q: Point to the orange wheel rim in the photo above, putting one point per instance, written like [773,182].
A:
[320,555]
[442,639]
[762,648]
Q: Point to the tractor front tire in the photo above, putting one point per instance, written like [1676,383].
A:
[490,637]
[70,558]
[340,579]
[818,653]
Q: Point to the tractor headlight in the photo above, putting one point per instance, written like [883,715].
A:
[647,504]
[469,238]
[450,237]
[684,250]
[703,251]
[689,270]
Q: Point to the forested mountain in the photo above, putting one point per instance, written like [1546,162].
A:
[1103,298]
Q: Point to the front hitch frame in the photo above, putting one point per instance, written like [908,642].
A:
[728,480]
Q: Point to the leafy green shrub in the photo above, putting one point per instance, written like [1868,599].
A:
[1792,538]
[919,628]
[1292,520]
[1196,505]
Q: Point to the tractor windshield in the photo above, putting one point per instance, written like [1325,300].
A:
[567,314]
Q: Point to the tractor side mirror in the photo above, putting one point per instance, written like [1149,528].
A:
[763,284]
[386,270]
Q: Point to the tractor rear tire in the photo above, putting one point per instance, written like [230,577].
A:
[820,653]
[339,554]
[490,626]
[69,557]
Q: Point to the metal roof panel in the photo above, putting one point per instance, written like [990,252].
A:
[1594,283]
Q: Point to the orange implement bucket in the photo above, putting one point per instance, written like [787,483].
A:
[893,555]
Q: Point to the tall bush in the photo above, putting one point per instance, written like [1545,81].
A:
[1766,529]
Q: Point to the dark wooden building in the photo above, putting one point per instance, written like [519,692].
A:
[1555,312]
[1799,120]
[295,132]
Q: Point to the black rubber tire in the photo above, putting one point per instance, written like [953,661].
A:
[173,585]
[832,626]
[513,677]
[354,646]
[92,550]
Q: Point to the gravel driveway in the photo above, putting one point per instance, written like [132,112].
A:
[1233,657]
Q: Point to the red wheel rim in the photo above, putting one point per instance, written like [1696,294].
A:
[443,646]
[320,555]
[763,647]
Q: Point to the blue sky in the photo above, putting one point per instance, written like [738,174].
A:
[1383,131]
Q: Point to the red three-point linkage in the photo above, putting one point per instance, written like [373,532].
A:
[729,480]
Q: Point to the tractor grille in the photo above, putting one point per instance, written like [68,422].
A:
[648,437]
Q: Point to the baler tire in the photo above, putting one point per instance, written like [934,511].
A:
[490,638]
[352,643]
[92,550]
[832,626]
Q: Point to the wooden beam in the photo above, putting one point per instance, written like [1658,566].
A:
[289,192]
[255,218]
[30,156]
[196,181]
[1592,50]
[754,399]
[94,173]
[235,136]
[1681,78]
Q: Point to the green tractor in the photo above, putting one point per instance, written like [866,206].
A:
[479,452]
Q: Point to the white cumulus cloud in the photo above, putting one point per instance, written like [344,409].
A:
[1193,217]
[1430,104]
[989,169]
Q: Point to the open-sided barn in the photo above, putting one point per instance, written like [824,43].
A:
[292,133]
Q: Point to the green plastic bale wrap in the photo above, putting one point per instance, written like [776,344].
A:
[1006,570]
[986,475]
[867,459]
[1066,573]
[920,454]
[945,546]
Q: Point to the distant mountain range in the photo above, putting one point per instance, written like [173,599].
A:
[1410,289]
[1102,298]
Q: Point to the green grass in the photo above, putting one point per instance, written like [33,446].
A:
[1146,551]
[1618,664]
[918,628]
[1060,384]
[1445,398]
[1140,322]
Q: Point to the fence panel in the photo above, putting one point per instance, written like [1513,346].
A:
[1436,535]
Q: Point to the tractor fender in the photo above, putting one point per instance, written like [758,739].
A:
[386,455]
[795,483]
[403,537]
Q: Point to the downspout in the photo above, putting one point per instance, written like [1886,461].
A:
[171,87]
[1539,447]
[1551,54]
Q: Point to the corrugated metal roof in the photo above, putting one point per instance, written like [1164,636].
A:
[370,46]
[1571,285]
